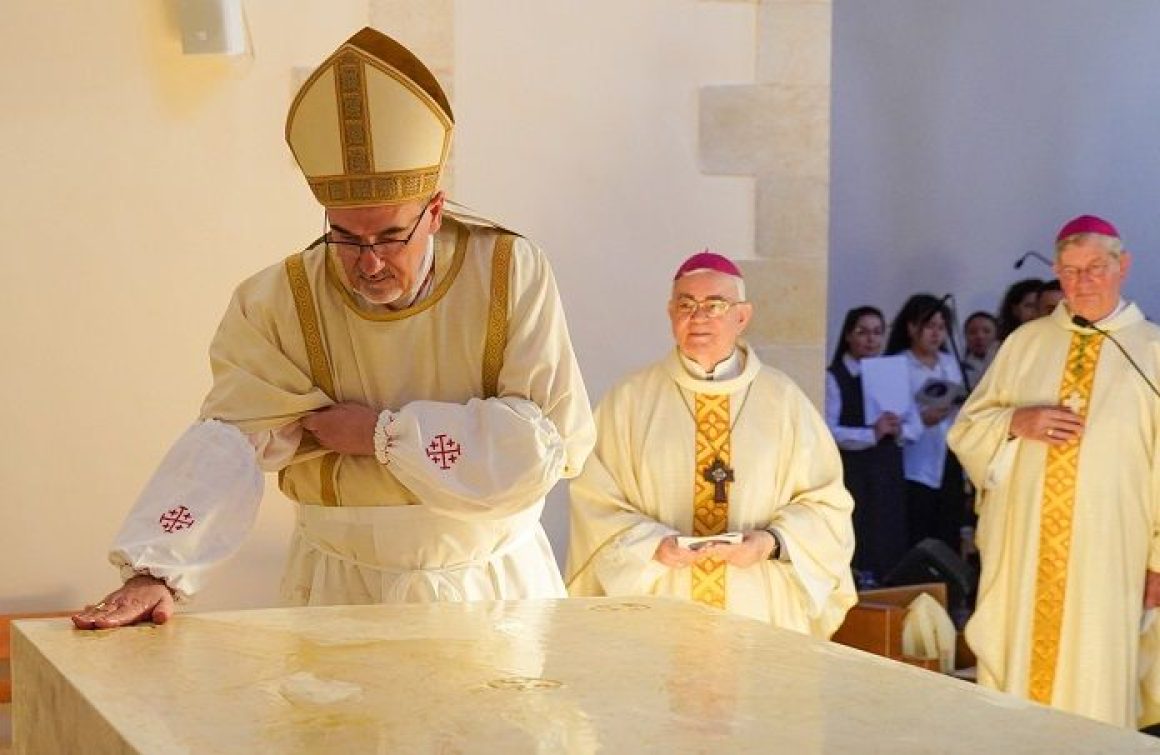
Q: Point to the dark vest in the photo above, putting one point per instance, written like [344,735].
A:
[850,389]
[874,478]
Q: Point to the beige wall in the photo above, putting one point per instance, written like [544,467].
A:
[143,184]
[777,129]
[580,126]
[140,185]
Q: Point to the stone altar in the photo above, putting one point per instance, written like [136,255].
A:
[576,676]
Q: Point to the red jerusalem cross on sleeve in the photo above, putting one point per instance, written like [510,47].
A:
[176,519]
[443,451]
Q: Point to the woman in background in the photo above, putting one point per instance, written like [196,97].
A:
[871,451]
[1050,295]
[1020,304]
[981,333]
[935,498]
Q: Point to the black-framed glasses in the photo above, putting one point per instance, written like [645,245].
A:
[713,306]
[378,248]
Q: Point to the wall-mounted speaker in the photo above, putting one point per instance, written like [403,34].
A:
[212,27]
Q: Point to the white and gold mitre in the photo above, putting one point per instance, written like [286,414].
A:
[371,125]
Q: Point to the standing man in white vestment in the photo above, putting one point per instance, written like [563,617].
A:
[710,441]
[1062,440]
[409,376]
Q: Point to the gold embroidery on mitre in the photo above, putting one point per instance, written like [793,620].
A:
[354,122]
[1055,522]
[371,125]
[335,191]
[710,517]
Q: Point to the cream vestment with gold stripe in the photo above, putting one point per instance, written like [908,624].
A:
[455,514]
[1066,534]
[639,487]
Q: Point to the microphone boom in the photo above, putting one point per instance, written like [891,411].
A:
[1083,322]
[1031,254]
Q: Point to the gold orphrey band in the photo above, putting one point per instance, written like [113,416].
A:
[710,517]
[1055,521]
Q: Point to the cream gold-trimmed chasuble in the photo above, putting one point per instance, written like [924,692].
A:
[480,404]
[321,370]
[1066,534]
[474,477]
[647,480]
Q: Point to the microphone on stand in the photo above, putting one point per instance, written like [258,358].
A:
[1083,322]
[951,328]
[1029,255]
[931,312]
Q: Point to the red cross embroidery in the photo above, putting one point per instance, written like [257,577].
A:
[176,519]
[443,451]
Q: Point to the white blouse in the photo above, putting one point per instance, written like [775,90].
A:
[923,460]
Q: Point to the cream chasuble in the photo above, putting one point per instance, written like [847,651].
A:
[455,513]
[636,490]
[1066,534]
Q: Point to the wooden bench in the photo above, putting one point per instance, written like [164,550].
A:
[6,646]
[874,624]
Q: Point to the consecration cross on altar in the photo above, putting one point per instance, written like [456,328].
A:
[718,473]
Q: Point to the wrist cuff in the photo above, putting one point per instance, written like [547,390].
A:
[778,550]
[383,439]
[128,572]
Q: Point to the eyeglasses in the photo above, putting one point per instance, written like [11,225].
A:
[713,307]
[378,248]
[1097,272]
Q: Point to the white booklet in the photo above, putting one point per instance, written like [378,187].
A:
[885,387]
[694,542]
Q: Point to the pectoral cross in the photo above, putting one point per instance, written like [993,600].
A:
[1075,402]
[718,473]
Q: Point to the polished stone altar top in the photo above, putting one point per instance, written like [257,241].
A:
[580,676]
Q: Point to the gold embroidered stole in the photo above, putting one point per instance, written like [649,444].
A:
[710,517]
[497,329]
[320,369]
[1055,521]
[323,374]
